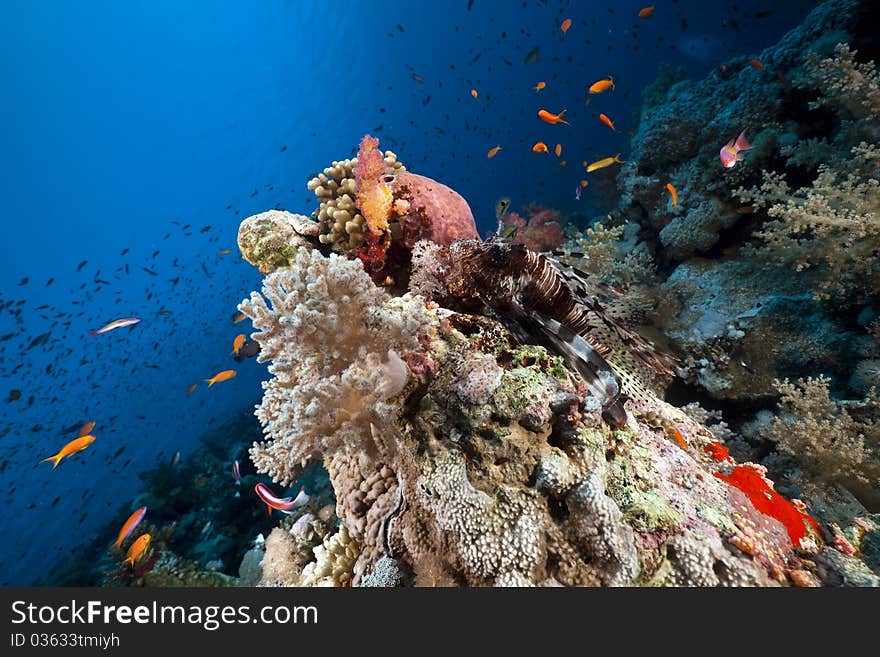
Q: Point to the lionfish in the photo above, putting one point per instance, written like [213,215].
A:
[536,296]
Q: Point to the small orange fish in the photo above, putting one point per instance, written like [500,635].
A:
[86,429]
[539,86]
[584,183]
[75,446]
[601,85]
[540,147]
[604,119]
[745,209]
[236,344]
[563,163]
[224,251]
[558,150]
[189,391]
[673,193]
[238,317]
[200,481]
[474,93]
[137,549]
[679,438]
[565,25]
[646,12]
[756,64]
[129,525]
[552,119]
[219,377]
[493,152]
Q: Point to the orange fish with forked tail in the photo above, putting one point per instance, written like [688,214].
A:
[75,446]
[551,118]
[219,377]
[137,549]
[540,147]
[128,527]
[601,85]
[236,344]
[86,429]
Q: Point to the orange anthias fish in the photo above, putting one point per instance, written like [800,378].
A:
[539,86]
[219,377]
[607,121]
[552,119]
[115,324]
[566,24]
[474,93]
[756,63]
[238,317]
[493,152]
[604,162]
[673,193]
[558,150]
[129,526]
[75,446]
[224,251]
[601,85]
[236,344]
[732,151]
[137,549]
[192,387]
[540,147]
[86,429]
[646,12]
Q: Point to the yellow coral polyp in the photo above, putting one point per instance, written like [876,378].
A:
[375,203]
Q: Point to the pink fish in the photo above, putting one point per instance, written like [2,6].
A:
[283,504]
[115,324]
[731,152]
[236,472]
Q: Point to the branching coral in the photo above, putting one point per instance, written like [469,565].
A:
[845,83]
[831,442]
[834,224]
[328,332]
[429,270]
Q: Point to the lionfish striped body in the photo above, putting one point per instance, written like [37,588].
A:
[535,295]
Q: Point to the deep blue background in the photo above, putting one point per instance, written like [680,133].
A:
[122,122]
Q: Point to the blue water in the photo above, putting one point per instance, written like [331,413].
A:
[125,122]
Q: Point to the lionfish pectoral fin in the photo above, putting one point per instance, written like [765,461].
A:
[580,356]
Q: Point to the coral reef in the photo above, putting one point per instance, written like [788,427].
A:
[371,207]
[541,229]
[767,264]
[489,466]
